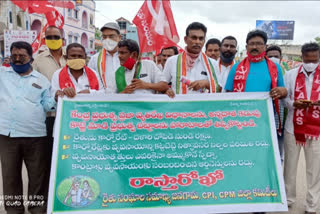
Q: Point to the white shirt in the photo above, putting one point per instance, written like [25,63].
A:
[224,72]
[149,73]
[112,64]
[290,82]
[198,72]
[81,84]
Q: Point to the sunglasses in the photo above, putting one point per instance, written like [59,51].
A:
[53,37]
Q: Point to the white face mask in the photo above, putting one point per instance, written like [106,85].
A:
[275,60]
[309,67]
[109,44]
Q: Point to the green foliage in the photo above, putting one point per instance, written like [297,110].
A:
[297,58]
[97,34]
[317,40]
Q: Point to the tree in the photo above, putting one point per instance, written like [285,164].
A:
[297,58]
[98,37]
[97,34]
[317,40]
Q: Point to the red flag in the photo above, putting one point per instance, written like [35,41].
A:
[155,26]
[54,18]
[62,3]
[39,41]
[42,6]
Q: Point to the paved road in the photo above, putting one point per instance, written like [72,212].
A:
[298,208]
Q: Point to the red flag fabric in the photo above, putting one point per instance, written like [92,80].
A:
[39,41]
[54,18]
[155,25]
[42,6]
[62,3]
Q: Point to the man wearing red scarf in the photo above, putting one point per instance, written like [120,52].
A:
[257,73]
[302,128]
[76,78]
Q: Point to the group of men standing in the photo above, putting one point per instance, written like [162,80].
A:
[28,100]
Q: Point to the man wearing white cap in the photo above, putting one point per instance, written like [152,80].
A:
[106,62]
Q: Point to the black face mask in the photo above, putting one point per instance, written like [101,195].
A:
[227,57]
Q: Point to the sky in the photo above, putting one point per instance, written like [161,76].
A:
[223,18]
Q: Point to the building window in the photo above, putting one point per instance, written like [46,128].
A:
[19,23]
[91,44]
[75,14]
[69,39]
[70,12]
[123,36]
[76,39]
[91,19]
[10,17]
[122,25]
[84,19]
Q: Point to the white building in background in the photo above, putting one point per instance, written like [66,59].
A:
[127,29]
[79,23]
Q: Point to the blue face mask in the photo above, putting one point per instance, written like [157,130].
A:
[20,69]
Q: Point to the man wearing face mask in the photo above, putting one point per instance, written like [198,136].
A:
[54,58]
[106,62]
[228,51]
[75,77]
[192,72]
[25,99]
[302,128]
[257,73]
[135,76]
[273,52]
[47,63]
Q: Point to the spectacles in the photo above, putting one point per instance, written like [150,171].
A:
[53,37]
[257,44]
[15,57]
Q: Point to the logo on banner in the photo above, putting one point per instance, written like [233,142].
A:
[78,191]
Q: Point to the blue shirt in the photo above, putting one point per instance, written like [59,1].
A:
[258,79]
[24,101]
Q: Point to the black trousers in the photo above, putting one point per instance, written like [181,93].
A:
[34,152]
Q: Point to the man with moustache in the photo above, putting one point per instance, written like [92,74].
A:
[192,72]
[213,48]
[47,63]
[25,99]
[106,62]
[168,52]
[228,51]
[257,73]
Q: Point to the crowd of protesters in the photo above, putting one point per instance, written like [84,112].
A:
[30,87]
